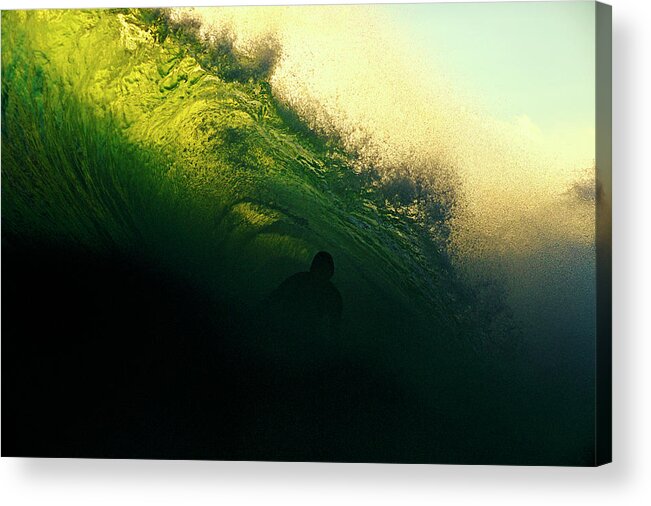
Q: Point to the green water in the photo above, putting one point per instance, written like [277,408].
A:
[115,139]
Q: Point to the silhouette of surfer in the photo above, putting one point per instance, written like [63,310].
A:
[307,303]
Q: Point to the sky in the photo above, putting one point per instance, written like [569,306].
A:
[533,60]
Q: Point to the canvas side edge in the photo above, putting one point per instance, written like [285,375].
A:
[603,162]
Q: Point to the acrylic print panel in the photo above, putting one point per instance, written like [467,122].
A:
[320,233]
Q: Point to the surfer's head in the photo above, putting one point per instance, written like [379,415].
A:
[323,266]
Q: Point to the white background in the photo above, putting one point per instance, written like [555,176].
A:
[626,481]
